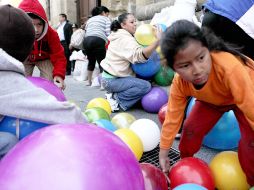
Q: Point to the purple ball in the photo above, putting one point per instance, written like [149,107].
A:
[49,86]
[154,100]
[71,157]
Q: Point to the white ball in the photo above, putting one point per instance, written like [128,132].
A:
[148,131]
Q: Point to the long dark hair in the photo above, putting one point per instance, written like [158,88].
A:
[177,36]
[116,24]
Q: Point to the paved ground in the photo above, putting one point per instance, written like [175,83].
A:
[81,94]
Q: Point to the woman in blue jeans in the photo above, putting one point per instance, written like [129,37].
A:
[117,77]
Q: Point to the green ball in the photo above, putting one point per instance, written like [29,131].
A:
[252,188]
[164,76]
[96,113]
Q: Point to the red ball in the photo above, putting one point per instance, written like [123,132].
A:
[162,113]
[154,178]
[191,170]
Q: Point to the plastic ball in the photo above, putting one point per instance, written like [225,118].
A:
[148,68]
[154,100]
[154,178]
[148,132]
[123,120]
[101,103]
[48,86]
[145,34]
[132,140]
[164,76]
[63,157]
[96,113]
[106,124]
[163,27]
[227,171]
[225,134]
[190,186]
[162,113]
[191,170]
[158,50]
[20,127]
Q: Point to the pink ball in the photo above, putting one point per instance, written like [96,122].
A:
[49,86]
[75,157]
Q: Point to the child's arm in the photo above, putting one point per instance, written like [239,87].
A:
[173,120]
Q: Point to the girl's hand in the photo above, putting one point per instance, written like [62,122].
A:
[157,31]
[58,81]
[164,160]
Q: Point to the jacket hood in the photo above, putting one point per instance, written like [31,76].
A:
[8,63]
[119,34]
[34,7]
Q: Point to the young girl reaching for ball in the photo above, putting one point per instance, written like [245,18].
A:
[220,78]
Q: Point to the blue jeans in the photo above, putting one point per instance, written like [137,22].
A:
[7,141]
[127,90]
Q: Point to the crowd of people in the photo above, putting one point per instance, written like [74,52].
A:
[213,64]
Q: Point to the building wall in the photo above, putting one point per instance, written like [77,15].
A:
[67,7]
[143,9]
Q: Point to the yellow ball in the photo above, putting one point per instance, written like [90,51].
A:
[132,140]
[101,103]
[145,34]
[158,50]
[227,172]
[123,120]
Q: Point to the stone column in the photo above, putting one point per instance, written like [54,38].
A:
[62,6]
[147,8]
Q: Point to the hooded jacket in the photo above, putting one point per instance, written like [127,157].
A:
[123,51]
[19,98]
[48,46]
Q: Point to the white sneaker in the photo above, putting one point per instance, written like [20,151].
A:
[113,103]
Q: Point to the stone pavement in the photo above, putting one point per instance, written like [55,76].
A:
[81,94]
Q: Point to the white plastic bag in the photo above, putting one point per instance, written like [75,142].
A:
[80,70]
[183,9]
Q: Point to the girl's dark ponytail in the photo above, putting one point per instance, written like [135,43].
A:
[115,25]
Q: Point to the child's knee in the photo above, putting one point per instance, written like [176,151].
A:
[147,87]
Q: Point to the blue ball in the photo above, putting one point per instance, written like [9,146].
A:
[225,134]
[148,68]
[106,124]
[20,127]
[189,186]
[163,27]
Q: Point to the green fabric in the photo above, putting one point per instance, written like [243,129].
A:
[107,75]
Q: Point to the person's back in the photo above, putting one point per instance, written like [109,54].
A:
[19,98]
[97,29]
[96,26]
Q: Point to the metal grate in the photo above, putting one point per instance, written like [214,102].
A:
[152,156]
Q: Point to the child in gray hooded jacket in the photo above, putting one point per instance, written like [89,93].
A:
[19,98]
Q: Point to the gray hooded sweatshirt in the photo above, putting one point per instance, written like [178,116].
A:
[19,98]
